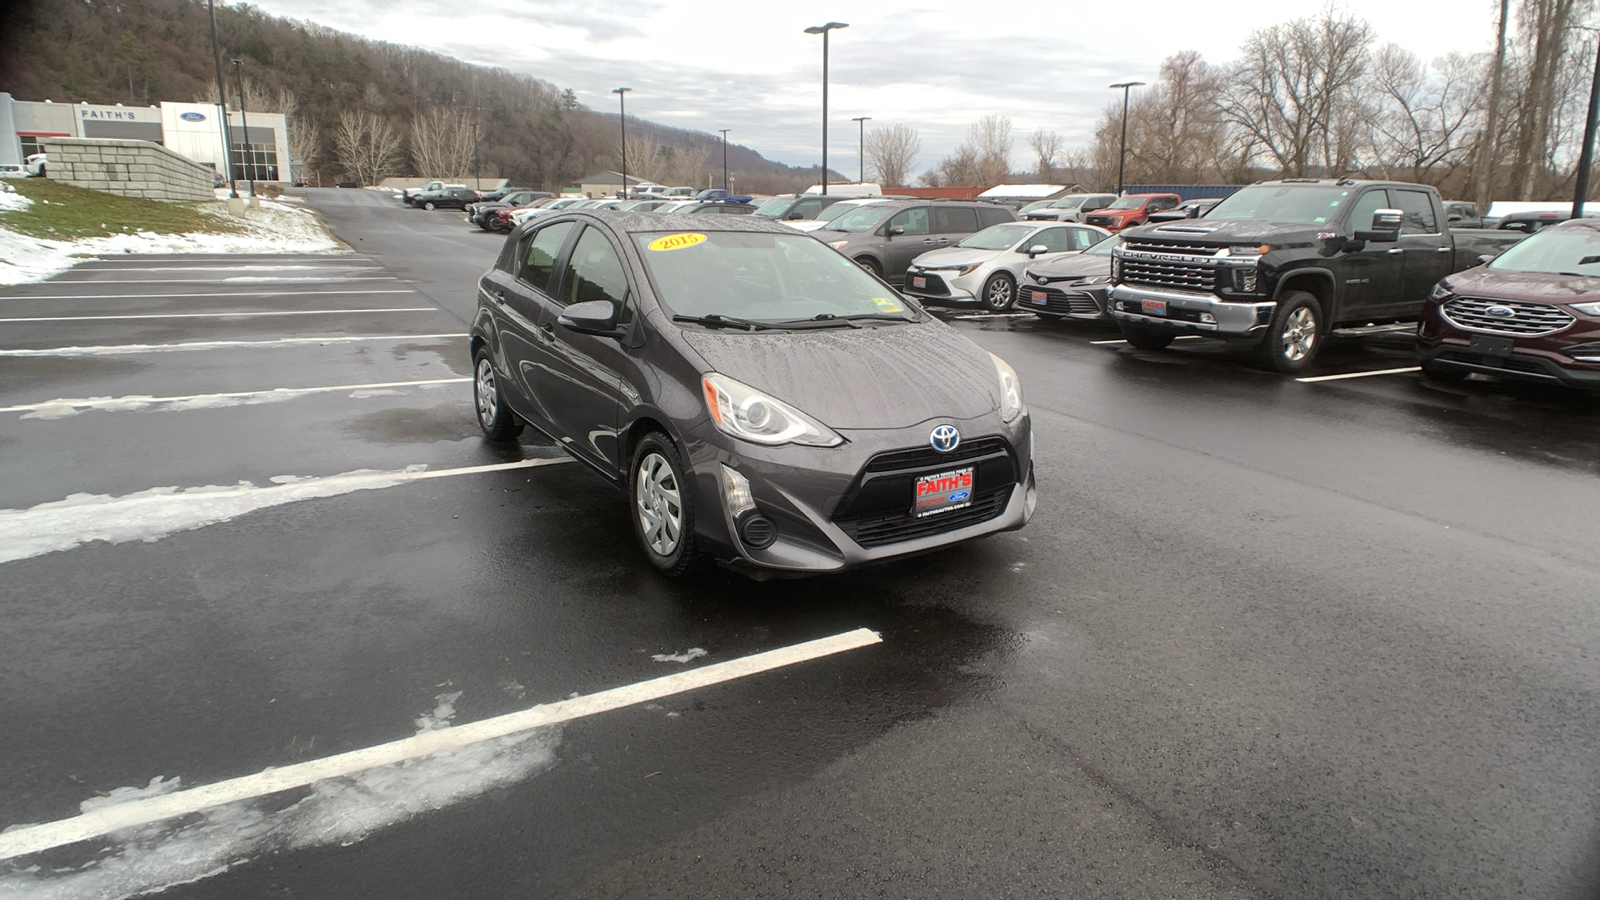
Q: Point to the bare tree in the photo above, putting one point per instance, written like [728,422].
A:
[1046,146]
[1423,115]
[1176,131]
[368,149]
[891,151]
[441,144]
[1293,88]
[1547,26]
[1483,182]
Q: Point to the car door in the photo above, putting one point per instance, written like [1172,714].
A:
[518,300]
[580,379]
[1427,253]
[952,223]
[1372,273]
[916,238]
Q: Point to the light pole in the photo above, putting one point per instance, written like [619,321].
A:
[477,183]
[244,121]
[725,158]
[1122,156]
[622,105]
[862,121]
[823,30]
[222,102]
[1586,158]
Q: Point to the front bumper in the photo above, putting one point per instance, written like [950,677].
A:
[1192,313]
[942,286]
[1571,357]
[1091,303]
[841,507]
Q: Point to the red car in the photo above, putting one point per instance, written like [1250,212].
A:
[1130,210]
[1532,313]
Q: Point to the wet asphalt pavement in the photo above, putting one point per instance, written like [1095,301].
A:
[1264,637]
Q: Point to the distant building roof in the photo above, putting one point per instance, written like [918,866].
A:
[608,177]
[1022,191]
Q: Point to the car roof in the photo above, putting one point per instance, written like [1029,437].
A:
[650,222]
[1588,221]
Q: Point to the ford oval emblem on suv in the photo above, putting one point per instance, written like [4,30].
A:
[1501,312]
[945,438]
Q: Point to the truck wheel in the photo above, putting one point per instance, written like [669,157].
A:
[999,292]
[1436,372]
[1295,335]
[428,206]
[1145,338]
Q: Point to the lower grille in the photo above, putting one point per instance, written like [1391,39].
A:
[934,285]
[1524,320]
[875,531]
[929,458]
[1520,365]
[1057,301]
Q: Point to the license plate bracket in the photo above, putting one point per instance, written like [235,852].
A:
[918,281]
[1038,297]
[942,492]
[1492,346]
[1153,307]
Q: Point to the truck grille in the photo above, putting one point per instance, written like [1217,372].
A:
[1165,247]
[1178,276]
[1526,319]
[1102,221]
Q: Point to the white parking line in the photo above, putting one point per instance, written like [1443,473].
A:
[968,316]
[232,315]
[122,349]
[68,406]
[1400,371]
[223,294]
[233,279]
[107,819]
[1181,337]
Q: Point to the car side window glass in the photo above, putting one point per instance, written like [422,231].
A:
[914,221]
[595,272]
[955,220]
[807,209]
[1054,240]
[1366,205]
[1418,209]
[538,259]
[1081,238]
[993,216]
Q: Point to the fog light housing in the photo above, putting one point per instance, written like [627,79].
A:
[1208,319]
[757,531]
[736,494]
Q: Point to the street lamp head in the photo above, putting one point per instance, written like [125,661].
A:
[862,119]
[238,62]
[824,29]
[1128,84]
[620,90]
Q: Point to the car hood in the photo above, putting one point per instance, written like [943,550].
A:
[1241,231]
[892,376]
[954,256]
[1537,287]
[1067,264]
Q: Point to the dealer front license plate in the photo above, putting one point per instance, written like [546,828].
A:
[1038,297]
[943,492]
[917,281]
[1153,307]
[1493,346]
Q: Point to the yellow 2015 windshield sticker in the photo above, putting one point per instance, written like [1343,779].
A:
[887,305]
[676,241]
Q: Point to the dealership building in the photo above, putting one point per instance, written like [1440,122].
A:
[188,129]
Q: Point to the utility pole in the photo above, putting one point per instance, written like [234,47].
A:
[823,30]
[725,157]
[1580,194]
[622,104]
[477,183]
[222,102]
[862,121]
[1122,156]
[244,120]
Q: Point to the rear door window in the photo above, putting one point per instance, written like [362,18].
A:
[537,261]
[955,220]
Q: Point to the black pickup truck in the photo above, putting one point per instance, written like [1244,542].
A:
[1279,264]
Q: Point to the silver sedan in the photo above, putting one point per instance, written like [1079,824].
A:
[985,267]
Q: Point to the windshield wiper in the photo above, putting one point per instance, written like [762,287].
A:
[718,320]
[881,317]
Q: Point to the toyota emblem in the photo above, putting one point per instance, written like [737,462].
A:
[945,438]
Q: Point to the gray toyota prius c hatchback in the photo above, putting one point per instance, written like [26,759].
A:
[766,403]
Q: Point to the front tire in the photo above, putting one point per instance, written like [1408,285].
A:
[871,265]
[662,507]
[999,292]
[1295,335]
[498,422]
[1145,338]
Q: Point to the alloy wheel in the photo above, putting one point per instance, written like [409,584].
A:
[1299,334]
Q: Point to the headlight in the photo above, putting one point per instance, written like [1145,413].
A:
[745,413]
[1588,309]
[837,245]
[967,270]
[1439,292]
[1246,252]
[1095,279]
[1010,389]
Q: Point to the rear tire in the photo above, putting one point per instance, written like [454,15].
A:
[498,422]
[661,501]
[1145,338]
[999,292]
[1295,335]
[870,264]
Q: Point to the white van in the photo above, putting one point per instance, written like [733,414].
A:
[864,189]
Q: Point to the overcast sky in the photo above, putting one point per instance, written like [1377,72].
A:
[938,65]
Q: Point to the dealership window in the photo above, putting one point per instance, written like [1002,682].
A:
[31,144]
[255,159]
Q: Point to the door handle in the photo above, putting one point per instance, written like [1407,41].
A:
[1443,250]
[927,240]
[1396,250]
[500,296]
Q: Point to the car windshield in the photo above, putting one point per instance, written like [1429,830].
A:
[761,277]
[1557,251]
[1103,247]
[776,208]
[1068,203]
[864,219]
[1037,204]
[1128,203]
[839,209]
[1294,204]
[998,237]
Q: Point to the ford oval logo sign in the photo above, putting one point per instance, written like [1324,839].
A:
[192,117]
[959,496]
[1501,312]
[945,438]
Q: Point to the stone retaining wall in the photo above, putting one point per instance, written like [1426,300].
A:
[129,168]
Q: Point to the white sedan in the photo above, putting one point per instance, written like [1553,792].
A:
[985,267]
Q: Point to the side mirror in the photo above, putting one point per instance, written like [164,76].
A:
[1485,258]
[1385,227]
[1037,249]
[894,230]
[794,216]
[598,317]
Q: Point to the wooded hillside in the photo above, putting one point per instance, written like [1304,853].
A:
[355,107]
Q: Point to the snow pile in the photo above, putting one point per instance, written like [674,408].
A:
[274,228]
[11,201]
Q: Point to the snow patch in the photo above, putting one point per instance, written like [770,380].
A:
[690,655]
[10,201]
[153,514]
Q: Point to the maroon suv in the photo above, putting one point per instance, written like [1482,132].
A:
[1533,312]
